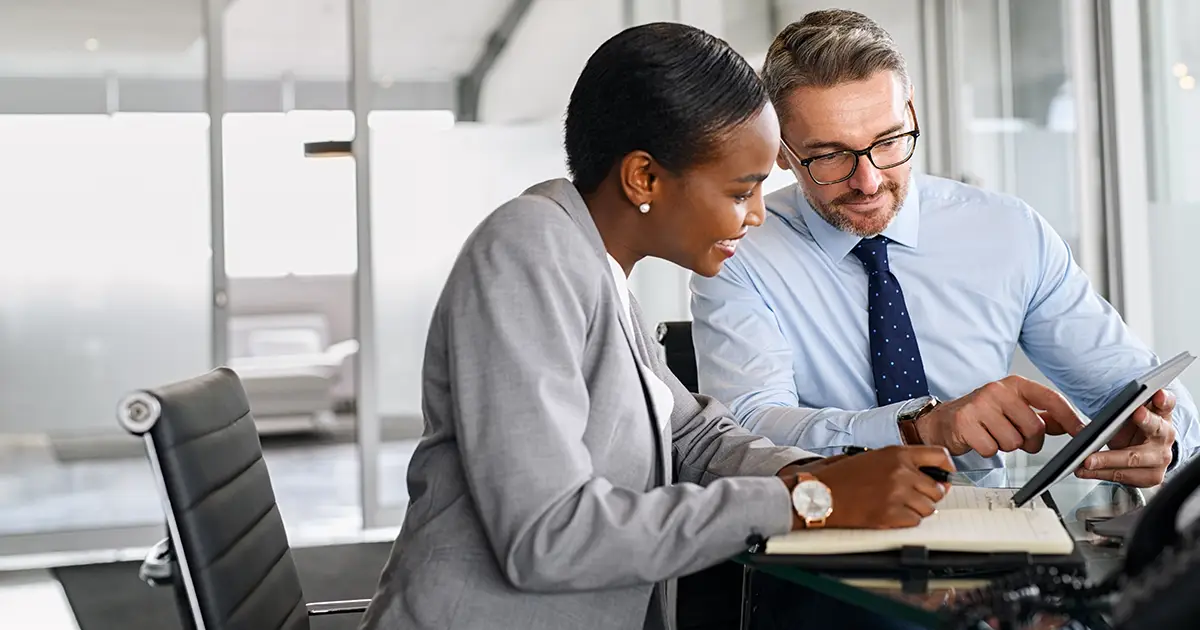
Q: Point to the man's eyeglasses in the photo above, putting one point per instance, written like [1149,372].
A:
[832,168]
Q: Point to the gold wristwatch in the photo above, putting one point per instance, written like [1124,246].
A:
[812,501]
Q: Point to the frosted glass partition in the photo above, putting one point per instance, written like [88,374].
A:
[286,213]
[1172,64]
[1019,109]
[433,181]
[104,264]
[1176,283]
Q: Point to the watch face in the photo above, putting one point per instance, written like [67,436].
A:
[812,500]
[916,407]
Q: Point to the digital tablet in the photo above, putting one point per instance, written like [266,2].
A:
[1103,427]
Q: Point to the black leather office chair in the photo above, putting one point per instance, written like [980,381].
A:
[676,339]
[710,599]
[226,553]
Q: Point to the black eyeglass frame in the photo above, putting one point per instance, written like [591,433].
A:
[859,153]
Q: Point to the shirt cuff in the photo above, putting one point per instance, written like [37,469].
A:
[880,427]
[803,462]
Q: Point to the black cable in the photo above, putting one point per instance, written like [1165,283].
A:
[1016,598]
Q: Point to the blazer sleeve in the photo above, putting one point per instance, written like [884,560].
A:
[517,309]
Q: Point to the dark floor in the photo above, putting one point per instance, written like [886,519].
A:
[111,597]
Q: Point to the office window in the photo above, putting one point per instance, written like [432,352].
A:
[433,182]
[1172,70]
[1019,123]
[105,277]
[285,213]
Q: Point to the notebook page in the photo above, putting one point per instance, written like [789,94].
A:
[972,498]
[1035,531]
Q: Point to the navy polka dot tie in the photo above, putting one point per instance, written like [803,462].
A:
[895,357]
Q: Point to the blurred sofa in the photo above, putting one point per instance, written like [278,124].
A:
[290,369]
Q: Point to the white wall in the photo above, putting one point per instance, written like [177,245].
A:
[532,80]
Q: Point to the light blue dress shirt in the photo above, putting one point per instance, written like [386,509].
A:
[781,333]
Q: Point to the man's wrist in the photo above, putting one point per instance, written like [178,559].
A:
[909,435]
[908,416]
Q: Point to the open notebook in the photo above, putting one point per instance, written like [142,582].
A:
[968,519]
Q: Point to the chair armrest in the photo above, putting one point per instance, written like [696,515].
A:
[158,569]
[316,609]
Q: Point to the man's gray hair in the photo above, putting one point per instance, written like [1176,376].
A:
[828,48]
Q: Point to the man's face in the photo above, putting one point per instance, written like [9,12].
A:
[821,121]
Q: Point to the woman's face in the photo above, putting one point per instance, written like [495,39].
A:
[700,215]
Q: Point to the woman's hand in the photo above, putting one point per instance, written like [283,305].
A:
[879,489]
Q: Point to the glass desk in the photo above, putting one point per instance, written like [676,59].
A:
[1077,500]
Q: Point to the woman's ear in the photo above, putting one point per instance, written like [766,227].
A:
[637,177]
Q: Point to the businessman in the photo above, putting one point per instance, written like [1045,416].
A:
[878,307]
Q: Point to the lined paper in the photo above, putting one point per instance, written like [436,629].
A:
[968,519]
[970,498]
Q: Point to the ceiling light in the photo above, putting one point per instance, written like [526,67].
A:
[1187,82]
[91,44]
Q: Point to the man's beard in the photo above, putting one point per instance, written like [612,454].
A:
[855,223]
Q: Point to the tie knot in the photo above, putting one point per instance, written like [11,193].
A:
[873,253]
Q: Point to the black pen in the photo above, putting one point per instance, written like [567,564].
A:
[939,474]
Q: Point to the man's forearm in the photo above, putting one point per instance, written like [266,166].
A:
[826,431]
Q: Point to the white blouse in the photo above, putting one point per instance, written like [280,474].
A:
[660,394]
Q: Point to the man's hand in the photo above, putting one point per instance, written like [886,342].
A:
[1000,416]
[1141,451]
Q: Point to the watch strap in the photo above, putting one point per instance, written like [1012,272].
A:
[908,416]
[908,432]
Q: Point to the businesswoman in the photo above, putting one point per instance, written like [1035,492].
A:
[565,475]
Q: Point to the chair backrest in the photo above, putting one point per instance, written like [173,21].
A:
[224,526]
[676,338]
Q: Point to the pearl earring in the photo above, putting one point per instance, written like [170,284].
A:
[644,208]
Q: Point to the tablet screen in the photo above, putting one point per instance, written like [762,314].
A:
[1103,427]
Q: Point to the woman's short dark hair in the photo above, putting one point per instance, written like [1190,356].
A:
[669,89]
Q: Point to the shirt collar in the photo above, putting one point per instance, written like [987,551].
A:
[836,243]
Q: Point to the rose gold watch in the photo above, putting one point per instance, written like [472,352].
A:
[812,501]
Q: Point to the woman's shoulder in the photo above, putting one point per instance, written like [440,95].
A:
[532,237]
[536,224]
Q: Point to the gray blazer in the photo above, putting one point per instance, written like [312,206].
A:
[533,503]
